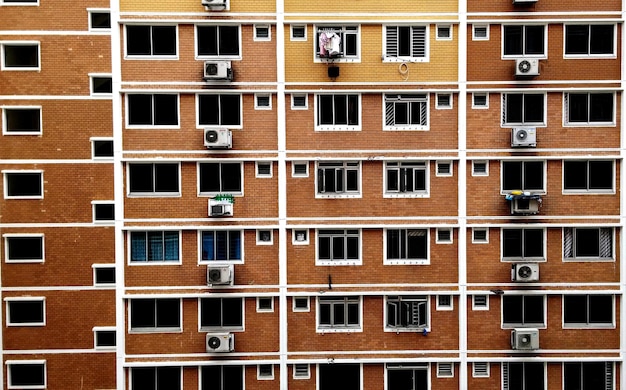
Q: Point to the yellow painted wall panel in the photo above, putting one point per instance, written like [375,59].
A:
[186,6]
[371,6]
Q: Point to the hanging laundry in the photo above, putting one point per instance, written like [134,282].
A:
[329,43]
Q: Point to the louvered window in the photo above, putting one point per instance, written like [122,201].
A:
[406,42]
[406,112]
[408,312]
[445,370]
[588,243]
[480,370]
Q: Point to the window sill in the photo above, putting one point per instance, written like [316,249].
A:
[155,330]
[589,326]
[22,133]
[219,262]
[405,59]
[339,330]
[335,60]
[589,124]
[524,326]
[589,56]
[406,128]
[155,262]
[407,262]
[415,195]
[338,128]
[589,192]
[173,57]
[407,329]
[208,329]
[27,325]
[589,259]
[522,260]
[154,195]
[337,196]
[338,262]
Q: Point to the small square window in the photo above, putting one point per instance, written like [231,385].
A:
[445,370]
[444,168]
[480,235]
[264,237]
[102,148]
[101,85]
[263,169]
[444,236]
[104,338]
[265,304]
[480,32]
[301,371]
[480,370]
[103,212]
[300,169]
[298,33]
[100,20]
[480,100]
[300,237]
[301,304]
[444,302]
[262,32]
[103,275]
[480,168]
[262,101]
[444,32]
[444,101]
[265,372]
[480,302]
[299,102]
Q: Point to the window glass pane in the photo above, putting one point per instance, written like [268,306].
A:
[207,40]
[25,375]
[210,177]
[514,108]
[102,84]
[139,109]
[512,175]
[601,175]
[24,248]
[229,40]
[533,243]
[230,110]
[533,108]
[513,40]
[142,313]
[534,40]
[166,177]
[23,120]
[24,184]
[168,313]
[417,245]
[512,309]
[576,39]
[164,40]
[21,56]
[168,378]
[572,375]
[165,110]
[138,40]
[512,243]
[350,375]
[232,312]
[575,309]
[26,312]
[210,312]
[208,110]
[533,376]
[100,20]
[601,107]
[533,309]
[600,309]
[533,175]
[578,107]
[231,177]
[587,242]
[601,41]
[575,175]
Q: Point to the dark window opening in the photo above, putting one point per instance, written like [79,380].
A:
[151,40]
[407,244]
[522,243]
[24,184]
[104,212]
[154,313]
[103,148]
[218,40]
[105,275]
[221,377]
[152,110]
[220,177]
[24,248]
[219,110]
[522,175]
[221,313]
[100,20]
[153,178]
[22,120]
[523,310]
[21,56]
[102,84]
[155,378]
[26,312]
[105,338]
[26,375]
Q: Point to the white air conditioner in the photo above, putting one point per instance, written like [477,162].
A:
[218,70]
[525,206]
[527,67]
[525,272]
[218,138]
[211,5]
[524,137]
[220,342]
[525,339]
[220,275]
[220,208]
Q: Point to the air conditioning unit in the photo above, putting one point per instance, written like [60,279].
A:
[218,138]
[218,70]
[527,67]
[210,5]
[525,339]
[220,208]
[524,137]
[525,272]
[220,275]
[524,206]
[220,342]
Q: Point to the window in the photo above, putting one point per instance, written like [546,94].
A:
[219,110]
[222,177]
[480,370]
[524,40]
[338,178]
[218,41]
[262,32]
[221,313]
[480,100]
[265,304]
[480,235]
[264,237]
[348,375]
[406,246]
[338,112]
[20,55]
[480,302]
[522,175]
[153,179]
[300,169]
[523,310]
[444,236]
[155,378]
[99,20]
[445,370]
[301,371]
[523,244]
[103,274]
[406,43]
[444,101]
[101,148]
[338,246]
[300,237]
[298,33]
[337,41]
[147,110]
[265,372]
[155,41]
[406,112]
[101,85]
[588,375]
[589,109]
[104,338]
[299,102]
[587,311]
[26,374]
[405,376]
[21,121]
[221,377]
[590,176]
[301,304]
[23,184]
[480,32]
[406,178]
[523,109]
[103,211]
[221,245]
[444,32]
[523,376]
[480,168]
[588,243]
[444,168]
[24,248]
[590,40]
[339,313]
[29,311]
[262,101]
[444,302]
[155,246]
[407,313]
[163,314]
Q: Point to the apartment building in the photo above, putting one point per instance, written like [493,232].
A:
[236,194]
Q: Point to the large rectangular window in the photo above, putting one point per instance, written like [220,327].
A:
[151,110]
[523,376]
[29,311]
[219,110]
[523,109]
[406,43]
[590,40]
[589,109]
[406,178]
[588,176]
[523,310]
[155,378]
[151,41]
[588,376]
[215,178]
[588,310]
[338,112]
[21,121]
[26,374]
[521,40]
[154,246]
[23,184]
[20,55]
[408,376]
[588,243]
[406,245]
[523,244]
[338,178]
[406,112]
[338,245]
[221,245]
[221,313]
[339,313]
[24,248]
[339,376]
[153,179]
[337,42]
[218,41]
[407,312]
[221,377]
[523,176]
[160,314]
